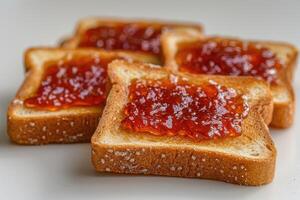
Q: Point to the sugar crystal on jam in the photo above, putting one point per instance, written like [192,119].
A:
[80,81]
[174,107]
[132,37]
[229,57]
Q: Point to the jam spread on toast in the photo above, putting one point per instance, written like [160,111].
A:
[131,36]
[81,81]
[228,57]
[174,107]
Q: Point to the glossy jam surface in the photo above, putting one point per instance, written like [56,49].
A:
[229,57]
[130,37]
[77,82]
[174,107]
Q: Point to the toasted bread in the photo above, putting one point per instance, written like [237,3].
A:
[88,23]
[65,125]
[248,159]
[283,94]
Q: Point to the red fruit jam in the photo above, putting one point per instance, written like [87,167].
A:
[81,81]
[229,57]
[132,37]
[174,107]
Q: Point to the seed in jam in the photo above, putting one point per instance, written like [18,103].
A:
[174,107]
[132,37]
[81,81]
[228,57]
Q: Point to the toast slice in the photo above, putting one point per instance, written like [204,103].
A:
[133,41]
[35,125]
[248,159]
[282,91]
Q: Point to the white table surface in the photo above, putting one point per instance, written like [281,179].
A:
[65,171]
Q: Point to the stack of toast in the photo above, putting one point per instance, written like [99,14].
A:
[159,98]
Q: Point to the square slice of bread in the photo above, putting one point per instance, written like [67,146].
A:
[248,159]
[88,23]
[283,94]
[68,125]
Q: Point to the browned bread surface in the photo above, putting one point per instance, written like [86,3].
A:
[248,159]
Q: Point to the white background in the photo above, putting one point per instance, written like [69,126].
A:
[65,171]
